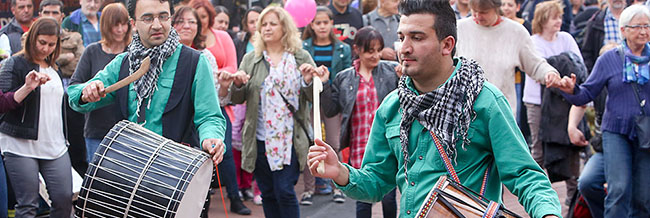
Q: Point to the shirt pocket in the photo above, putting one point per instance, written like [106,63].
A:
[392,136]
[165,82]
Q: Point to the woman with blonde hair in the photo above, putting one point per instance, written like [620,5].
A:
[275,81]
[116,36]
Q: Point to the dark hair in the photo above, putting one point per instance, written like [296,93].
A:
[365,37]
[48,3]
[205,4]
[130,5]
[42,26]
[221,9]
[309,32]
[244,20]
[198,42]
[444,17]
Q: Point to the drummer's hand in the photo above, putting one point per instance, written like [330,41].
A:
[333,168]
[216,148]
[93,92]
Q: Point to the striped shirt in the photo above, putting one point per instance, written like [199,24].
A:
[323,56]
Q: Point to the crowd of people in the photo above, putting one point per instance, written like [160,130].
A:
[501,87]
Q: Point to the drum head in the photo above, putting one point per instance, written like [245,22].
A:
[194,198]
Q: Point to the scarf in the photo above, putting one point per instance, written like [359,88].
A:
[147,84]
[283,79]
[636,67]
[446,111]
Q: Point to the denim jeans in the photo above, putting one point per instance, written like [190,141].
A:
[278,196]
[91,147]
[388,207]
[627,170]
[591,183]
[227,170]
[3,191]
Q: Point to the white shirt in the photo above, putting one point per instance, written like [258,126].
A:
[51,141]
[4,44]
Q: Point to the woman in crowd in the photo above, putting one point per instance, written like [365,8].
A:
[186,22]
[509,9]
[548,40]
[217,42]
[622,71]
[326,50]
[32,137]
[222,18]
[280,73]
[116,36]
[243,41]
[370,80]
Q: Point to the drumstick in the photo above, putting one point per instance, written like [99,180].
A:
[144,67]
[318,87]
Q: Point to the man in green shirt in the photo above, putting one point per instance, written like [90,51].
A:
[447,98]
[176,101]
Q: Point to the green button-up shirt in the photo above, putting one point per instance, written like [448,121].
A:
[208,119]
[495,141]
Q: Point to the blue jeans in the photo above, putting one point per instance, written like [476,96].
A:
[627,170]
[388,206]
[91,147]
[591,183]
[278,196]
[3,191]
[227,166]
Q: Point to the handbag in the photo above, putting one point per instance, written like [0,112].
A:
[642,122]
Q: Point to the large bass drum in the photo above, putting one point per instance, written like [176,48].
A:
[137,173]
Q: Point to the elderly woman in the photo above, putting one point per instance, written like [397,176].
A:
[277,97]
[116,36]
[32,139]
[186,22]
[621,71]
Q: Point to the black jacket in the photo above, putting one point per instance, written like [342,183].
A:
[14,31]
[593,39]
[341,95]
[22,122]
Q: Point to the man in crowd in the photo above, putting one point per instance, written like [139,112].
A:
[385,19]
[452,105]
[601,30]
[185,113]
[461,9]
[85,21]
[10,34]
[347,20]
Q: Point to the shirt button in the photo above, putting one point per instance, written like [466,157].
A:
[420,157]
[408,212]
[412,183]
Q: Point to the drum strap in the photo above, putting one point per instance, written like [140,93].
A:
[450,167]
[492,210]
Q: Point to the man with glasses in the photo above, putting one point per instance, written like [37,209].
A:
[176,101]
[10,34]
[85,21]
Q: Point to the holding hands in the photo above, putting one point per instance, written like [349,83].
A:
[565,84]
[239,78]
[308,72]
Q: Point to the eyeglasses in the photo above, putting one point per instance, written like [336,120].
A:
[148,18]
[182,22]
[639,27]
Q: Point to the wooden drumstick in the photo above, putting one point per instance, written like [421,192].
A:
[144,67]
[318,87]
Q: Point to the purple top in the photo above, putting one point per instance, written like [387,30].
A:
[621,106]
[7,102]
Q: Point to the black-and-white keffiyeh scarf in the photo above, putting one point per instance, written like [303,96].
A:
[446,111]
[147,84]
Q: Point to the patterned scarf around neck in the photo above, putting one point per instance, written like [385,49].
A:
[636,68]
[147,84]
[446,111]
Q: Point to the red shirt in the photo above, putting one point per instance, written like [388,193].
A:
[363,113]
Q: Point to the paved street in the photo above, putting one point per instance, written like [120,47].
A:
[324,207]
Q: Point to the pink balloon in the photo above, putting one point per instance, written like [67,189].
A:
[302,11]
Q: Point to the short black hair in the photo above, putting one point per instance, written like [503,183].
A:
[50,2]
[130,6]
[445,18]
[365,36]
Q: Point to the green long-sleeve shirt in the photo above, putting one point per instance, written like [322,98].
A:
[494,136]
[208,119]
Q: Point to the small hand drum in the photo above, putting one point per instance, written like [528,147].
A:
[449,199]
[137,173]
